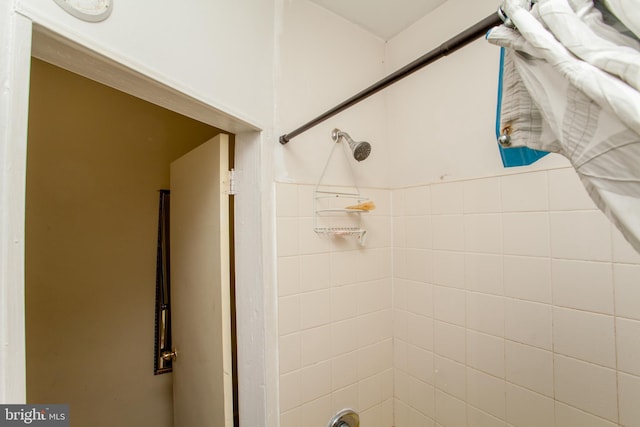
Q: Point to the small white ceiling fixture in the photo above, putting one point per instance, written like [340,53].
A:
[384,18]
[87,10]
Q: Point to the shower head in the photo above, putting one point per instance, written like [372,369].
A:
[360,149]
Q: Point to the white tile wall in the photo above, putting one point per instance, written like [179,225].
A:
[585,336]
[315,345]
[566,192]
[420,298]
[629,396]
[486,392]
[568,416]
[335,311]
[413,201]
[583,285]
[483,233]
[451,377]
[344,336]
[422,397]
[485,353]
[482,196]
[344,397]
[448,268]
[420,330]
[417,265]
[420,364]
[290,356]
[287,201]
[287,236]
[288,276]
[450,411]
[316,380]
[528,323]
[375,359]
[309,242]
[290,390]
[289,314]
[417,232]
[622,250]
[528,278]
[484,273]
[586,386]
[529,367]
[526,233]
[314,272]
[552,306]
[315,308]
[485,313]
[449,305]
[344,371]
[627,290]
[582,235]
[447,198]
[448,232]
[343,301]
[505,301]
[476,417]
[628,345]
[450,341]
[528,409]
[526,192]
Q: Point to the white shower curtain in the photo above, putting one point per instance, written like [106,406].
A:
[571,85]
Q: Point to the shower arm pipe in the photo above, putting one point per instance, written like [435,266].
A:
[467,36]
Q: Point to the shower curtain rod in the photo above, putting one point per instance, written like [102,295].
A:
[467,36]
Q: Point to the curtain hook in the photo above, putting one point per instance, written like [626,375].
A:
[505,19]
[505,138]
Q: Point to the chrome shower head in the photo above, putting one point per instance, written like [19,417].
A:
[360,149]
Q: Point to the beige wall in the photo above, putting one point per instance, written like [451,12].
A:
[96,158]
[322,61]
[442,118]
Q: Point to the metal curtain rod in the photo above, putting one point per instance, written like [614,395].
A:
[467,36]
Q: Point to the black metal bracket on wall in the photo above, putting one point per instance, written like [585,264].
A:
[462,39]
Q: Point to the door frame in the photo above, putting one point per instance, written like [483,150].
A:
[255,305]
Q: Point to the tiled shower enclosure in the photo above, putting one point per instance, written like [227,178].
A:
[499,301]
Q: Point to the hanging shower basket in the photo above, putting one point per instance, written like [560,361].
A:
[338,211]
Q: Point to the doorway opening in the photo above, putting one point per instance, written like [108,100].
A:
[96,159]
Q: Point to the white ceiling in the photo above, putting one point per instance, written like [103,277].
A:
[384,18]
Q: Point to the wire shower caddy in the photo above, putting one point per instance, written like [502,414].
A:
[334,215]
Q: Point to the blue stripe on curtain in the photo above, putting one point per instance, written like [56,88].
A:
[516,156]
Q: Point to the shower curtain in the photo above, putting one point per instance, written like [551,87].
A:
[571,85]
